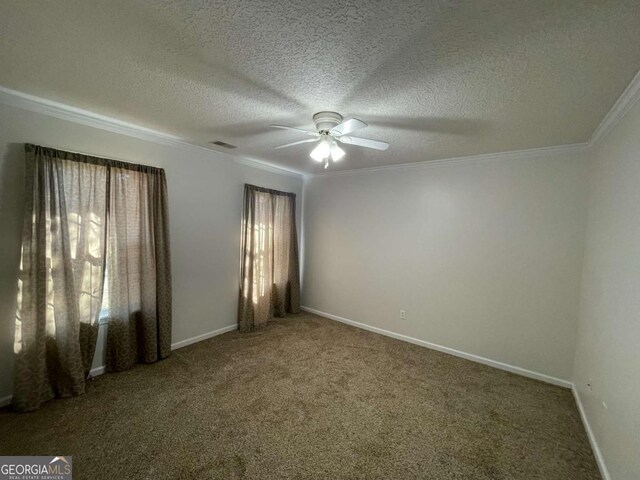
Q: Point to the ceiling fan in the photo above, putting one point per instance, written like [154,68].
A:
[331,129]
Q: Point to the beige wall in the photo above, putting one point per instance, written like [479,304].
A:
[485,257]
[205,208]
[608,346]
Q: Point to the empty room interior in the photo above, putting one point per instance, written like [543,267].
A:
[373,239]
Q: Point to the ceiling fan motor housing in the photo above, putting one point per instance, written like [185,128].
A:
[325,121]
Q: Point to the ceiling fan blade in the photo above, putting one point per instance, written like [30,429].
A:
[363,142]
[308,132]
[298,143]
[348,126]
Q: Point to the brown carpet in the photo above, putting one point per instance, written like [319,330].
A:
[308,397]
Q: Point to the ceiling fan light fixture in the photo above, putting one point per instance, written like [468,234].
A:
[332,129]
[322,151]
[336,152]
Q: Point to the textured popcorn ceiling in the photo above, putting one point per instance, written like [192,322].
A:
[436,79]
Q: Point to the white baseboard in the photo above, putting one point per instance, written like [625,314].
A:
[592,438]
[204,336]
[492,363]
[97,371]
[182,343]
[468,356]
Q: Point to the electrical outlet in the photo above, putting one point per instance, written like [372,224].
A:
[403,315]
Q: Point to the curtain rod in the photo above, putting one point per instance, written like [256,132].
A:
[87,154]
[268,190]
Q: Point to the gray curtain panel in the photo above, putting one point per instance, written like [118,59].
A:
[138,268]
[79,212]
[270,270]
[61,275]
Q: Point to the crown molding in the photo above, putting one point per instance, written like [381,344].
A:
[486,157]
[36,104]
[32,103]
[44,106]
[270,167]
[619,109]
